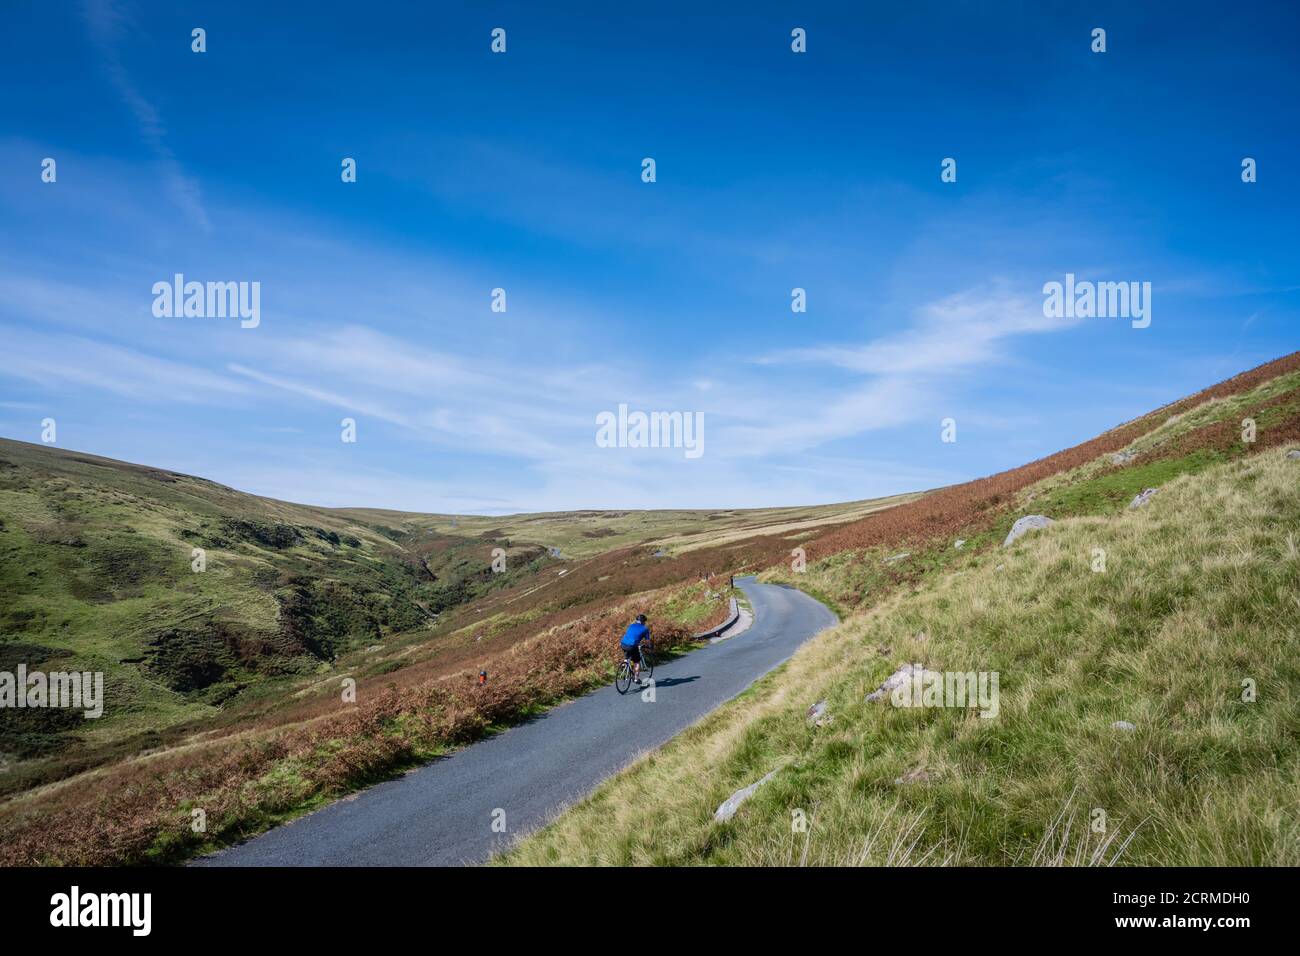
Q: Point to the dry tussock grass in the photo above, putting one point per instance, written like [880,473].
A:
[1198,595]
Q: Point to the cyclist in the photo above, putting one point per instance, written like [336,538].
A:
[631,644]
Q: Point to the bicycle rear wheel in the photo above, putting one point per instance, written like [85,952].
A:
[624,679]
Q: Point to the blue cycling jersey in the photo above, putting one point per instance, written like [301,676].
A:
[635,634]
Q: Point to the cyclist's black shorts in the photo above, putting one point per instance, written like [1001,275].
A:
[632,653]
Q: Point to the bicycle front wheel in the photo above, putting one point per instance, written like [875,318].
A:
[647,661]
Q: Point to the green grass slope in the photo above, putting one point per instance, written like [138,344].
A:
[1191,633]
[97,572]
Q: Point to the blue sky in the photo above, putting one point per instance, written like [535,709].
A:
[522,171]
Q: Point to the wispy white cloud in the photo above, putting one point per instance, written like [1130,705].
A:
[60,361]
[107,21]
[896,379]
[759,439]
[958,331]
[478,403]
[324,396]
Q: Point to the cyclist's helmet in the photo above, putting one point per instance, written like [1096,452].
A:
[640,618]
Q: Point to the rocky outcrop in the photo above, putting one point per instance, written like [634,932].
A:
[1143,498]
[727,809]
[898,679]
[1026,524]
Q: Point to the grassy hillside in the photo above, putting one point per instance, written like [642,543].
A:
[583,534]
[1095,478]
[97,572]
[223,685]
[238,665]
[1166,617]
[1199,595]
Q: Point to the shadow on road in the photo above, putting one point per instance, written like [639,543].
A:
[674,681]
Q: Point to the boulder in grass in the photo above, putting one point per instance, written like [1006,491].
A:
[1026,524]
[727,809]
[1143,498]
[898,557]
[1124,725]
[1122,457]
[816,712]
[1293,453]
[897,679]
[959,543]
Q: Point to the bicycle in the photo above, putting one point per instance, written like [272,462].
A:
[624,679]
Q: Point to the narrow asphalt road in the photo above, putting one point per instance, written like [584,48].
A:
[443,813]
